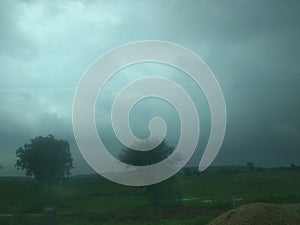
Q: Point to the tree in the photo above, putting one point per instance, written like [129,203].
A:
[46,159]
[141,158]
[164,193]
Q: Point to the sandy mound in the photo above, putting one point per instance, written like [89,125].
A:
[261,214]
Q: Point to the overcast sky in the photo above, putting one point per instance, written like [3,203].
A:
[252,47]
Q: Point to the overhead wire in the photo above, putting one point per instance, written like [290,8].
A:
[247,81]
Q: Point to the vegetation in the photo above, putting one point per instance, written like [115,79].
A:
[165,193]
[92,200]
[46,159]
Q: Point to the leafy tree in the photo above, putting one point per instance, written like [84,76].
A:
[164,193]
[142,158]
[46,159]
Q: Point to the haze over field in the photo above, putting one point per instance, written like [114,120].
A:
[252,47]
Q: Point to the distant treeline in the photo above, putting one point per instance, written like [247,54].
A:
[236,169]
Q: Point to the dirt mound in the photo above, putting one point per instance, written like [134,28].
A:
[261,214]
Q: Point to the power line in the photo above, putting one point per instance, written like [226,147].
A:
[254,81]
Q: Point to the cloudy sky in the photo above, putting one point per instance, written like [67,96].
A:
[252,47]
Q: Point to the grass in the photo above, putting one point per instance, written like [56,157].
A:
[97,201]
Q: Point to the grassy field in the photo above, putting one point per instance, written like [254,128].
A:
[97,201]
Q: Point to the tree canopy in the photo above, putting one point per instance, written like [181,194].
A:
[141,158]
[45,158]
[164,193]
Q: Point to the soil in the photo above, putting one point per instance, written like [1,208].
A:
[261,214]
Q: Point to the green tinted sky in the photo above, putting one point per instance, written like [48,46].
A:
[252,47]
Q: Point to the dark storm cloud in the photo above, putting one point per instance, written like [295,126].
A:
[13,39]
[252,47]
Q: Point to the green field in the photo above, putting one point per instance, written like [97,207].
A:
[97,201]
